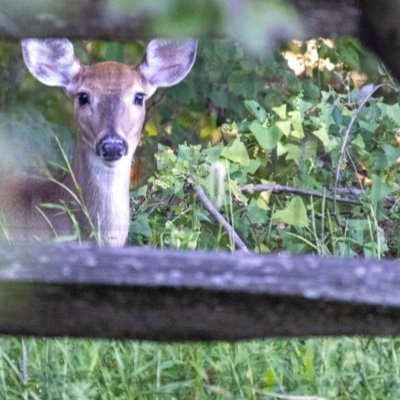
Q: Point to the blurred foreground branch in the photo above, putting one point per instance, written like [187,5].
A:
[271,21]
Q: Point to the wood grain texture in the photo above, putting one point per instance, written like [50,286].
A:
[167,295]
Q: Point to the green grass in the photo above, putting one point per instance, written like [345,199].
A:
[334,368]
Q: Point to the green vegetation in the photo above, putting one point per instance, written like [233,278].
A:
[75,369]
[267,126]
[234,123]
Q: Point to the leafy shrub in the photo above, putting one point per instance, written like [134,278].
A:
[266,125]
[289,133]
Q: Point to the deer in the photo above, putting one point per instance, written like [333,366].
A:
[109,112]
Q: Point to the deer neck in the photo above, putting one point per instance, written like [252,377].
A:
[105,194]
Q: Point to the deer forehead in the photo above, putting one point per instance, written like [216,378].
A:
[110,77]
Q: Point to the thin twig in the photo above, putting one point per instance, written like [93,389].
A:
[304,192]
[350,191]
[346,139]
[215,213]
[353,164]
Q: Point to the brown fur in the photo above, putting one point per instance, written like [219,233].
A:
[106,84]
[100,177]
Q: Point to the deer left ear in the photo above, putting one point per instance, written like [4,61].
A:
[51,61]
[167,62]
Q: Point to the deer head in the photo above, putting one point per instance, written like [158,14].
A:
[109,97]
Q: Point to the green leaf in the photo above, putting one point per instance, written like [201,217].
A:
[294,213]
[219,98]
[325,117]
[256,214]
[237,192]
[165,157]
[296,120]
[267,138]
[213,153]
[337,116]
[392,153]
[254,108]
[322,135]
[237,153]
[391,110]
[368,126]
[281,149]
[379,189]
[311,91]
[244,84]
[253,166]
[295,152]
[379,160]
[359,142]
[357,229]
[178,188]
[303,106]
[140,226]
[142,191]
[309,362]
[285,127]
[280,111]
[299,154]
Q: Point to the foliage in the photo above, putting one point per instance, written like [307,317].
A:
[290,133]
[80,369]
[235,122]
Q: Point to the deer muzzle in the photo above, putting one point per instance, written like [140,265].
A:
[111,148]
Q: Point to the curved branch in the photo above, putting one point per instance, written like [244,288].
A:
[346,139]
[214,212]
[290,189]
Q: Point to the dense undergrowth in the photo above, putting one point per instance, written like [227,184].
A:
[292,163]
[300,163]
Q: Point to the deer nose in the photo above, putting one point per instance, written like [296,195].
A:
[112,148]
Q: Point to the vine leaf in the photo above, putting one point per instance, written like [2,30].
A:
[267,138]
[237,153]
[294,213]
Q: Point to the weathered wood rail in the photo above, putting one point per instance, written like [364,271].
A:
[145,293]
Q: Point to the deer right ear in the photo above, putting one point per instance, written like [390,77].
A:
[51,61]
[167,62]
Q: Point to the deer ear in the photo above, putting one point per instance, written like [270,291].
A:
[167,62]
[51,61]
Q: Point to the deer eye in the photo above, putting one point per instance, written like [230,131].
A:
[83,98]
[139,99]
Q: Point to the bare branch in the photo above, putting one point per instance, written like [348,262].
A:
[290,189]
[217,215]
